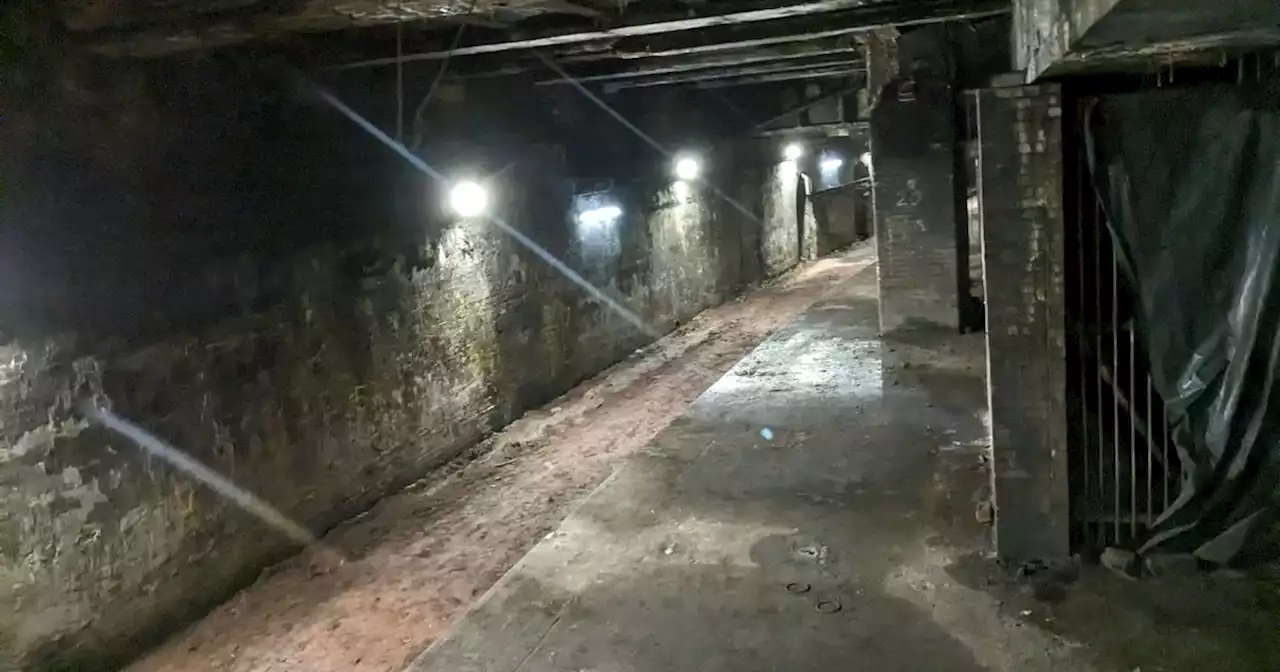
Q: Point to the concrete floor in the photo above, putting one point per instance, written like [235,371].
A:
[825,543]
[420,559]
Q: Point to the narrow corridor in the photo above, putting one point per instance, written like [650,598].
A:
[421,557]
[802,515]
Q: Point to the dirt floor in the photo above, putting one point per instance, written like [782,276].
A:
[421,557]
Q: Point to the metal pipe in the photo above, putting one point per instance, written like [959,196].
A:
[399,84]
[1151,449]
[812,64]
[1164,450]
[1133,435]
[788,76]
[1098,350]
[1082,323]
[1115,373]
[689,65]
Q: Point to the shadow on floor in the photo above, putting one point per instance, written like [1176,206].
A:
[1166,624]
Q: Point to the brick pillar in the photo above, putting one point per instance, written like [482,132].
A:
[912,144]
[1020,193]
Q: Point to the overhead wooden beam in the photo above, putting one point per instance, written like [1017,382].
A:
[688,64]
[737,71]
[862,17]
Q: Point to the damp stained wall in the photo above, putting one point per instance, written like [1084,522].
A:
[241,272]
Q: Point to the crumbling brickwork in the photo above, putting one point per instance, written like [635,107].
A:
[1021,183]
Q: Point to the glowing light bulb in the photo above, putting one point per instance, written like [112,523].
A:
[687,168]
[792,151]
[468,199]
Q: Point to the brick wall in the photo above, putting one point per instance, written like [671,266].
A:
[1020,192]
[912,143]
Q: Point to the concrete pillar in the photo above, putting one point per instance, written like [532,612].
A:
[1020,195]
[913,133]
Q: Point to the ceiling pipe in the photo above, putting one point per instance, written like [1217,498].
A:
[689,65]
[723,73]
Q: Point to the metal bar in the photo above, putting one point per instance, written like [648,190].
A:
[1115,368]
[818,27]
[832,130]
[860,19]
[1082,321]
[720,60]
[399,84]
[797,76]
[1097,323]
[791,69]
[1151,449]
[1133,429]
[1164,449]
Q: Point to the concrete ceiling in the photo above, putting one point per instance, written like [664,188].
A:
[268,16]
[148,28]
[158,27]
[607,43]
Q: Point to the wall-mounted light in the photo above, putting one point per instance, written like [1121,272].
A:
[793,151]
[468,199]
[687,168]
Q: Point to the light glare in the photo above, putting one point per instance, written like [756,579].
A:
[832,163]
[599,216]
[468,199]
[687,168]
[792,151]
[682,190]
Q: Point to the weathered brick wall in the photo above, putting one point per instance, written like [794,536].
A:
[912,139]
[1021,183]
[913,136]
[322,376]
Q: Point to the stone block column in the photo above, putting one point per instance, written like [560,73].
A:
[1021,199]
[913,137]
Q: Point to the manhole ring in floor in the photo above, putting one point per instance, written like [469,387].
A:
[798,588]
[828,606]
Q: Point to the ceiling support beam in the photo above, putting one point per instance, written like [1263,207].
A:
[817,73]
[844,63]
[806,29]
[854,16]
[688,64]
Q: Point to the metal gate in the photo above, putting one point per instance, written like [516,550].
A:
[1123,469]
